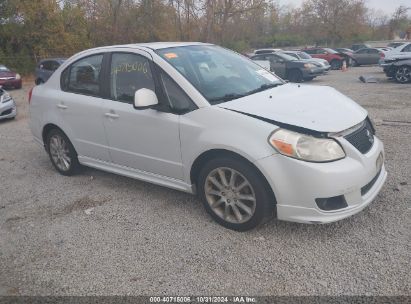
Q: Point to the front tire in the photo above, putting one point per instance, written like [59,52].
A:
[234,193]
[403,74]
[62,154]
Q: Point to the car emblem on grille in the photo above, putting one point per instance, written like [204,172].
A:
[370,136]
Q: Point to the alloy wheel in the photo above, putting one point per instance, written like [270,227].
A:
[403,74]
[60,152]
[230,195]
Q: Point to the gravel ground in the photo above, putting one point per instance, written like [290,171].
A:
[142,239]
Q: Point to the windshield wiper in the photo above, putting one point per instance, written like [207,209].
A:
[226,97]
[232,96]
[264,87]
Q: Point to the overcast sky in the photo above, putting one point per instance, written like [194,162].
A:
[387,6]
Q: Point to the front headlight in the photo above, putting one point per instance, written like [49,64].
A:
[18,76]
[309,66]
[5,98]
[306,147]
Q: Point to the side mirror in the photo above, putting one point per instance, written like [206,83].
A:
[144,99]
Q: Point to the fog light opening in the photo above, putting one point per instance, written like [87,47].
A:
[331,203]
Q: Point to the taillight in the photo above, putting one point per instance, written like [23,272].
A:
[30,94]
[382,55]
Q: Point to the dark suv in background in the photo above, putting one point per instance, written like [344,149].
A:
[45,68]
[288,67]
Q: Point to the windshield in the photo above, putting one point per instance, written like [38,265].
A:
[3,69]
[304,55]
[217,73]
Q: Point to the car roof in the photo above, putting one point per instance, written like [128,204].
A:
[155,45]
[53,59]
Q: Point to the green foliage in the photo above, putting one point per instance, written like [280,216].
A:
[34,29]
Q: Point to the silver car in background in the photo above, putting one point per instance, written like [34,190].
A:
[8,108]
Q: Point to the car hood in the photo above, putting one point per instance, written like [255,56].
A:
[317,108]
[7,74]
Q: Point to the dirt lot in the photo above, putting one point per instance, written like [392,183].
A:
[145,239]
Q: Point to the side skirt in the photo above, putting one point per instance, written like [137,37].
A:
[137,174]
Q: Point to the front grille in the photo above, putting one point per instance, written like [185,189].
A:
[363,138]
[367,187]
[7,112]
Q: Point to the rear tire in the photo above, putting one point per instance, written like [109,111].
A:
[62,154]
[234,193]
[295,76]
[309,78]
[403,74]
[355,63]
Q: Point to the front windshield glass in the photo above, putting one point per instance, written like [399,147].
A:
[3,69]
[304,55]
[217,73]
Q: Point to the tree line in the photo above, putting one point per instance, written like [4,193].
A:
[34,29]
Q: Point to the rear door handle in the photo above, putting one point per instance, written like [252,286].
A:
[112,115]
[61,106]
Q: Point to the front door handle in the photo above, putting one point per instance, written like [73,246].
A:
[61,106]
[112,115]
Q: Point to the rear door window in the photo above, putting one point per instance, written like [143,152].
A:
[83,76]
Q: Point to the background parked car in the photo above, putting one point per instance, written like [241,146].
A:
[334,58]
[402,51]
[367,56]
[9,79]
[290,68]
[45,68]
[348,53]
[265,51]
[8,109]
[344,50]
[395,44]
[385,49]
[303,55]
[359,46]
[399,69]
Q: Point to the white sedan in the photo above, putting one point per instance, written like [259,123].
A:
[8,108]
[202,119]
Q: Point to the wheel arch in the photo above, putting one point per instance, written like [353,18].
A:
[46,129]
[206,156]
